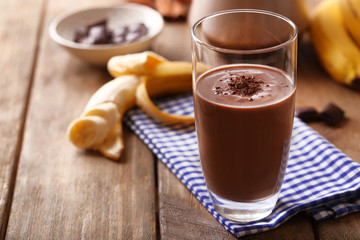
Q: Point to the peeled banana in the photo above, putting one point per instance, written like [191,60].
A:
[337,51]
[98,127]
[138,78]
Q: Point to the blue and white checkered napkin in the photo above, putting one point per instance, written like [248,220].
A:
[319,179]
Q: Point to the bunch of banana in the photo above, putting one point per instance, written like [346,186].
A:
[138,78]
[335,34]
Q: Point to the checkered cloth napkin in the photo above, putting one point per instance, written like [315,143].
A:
[320,179]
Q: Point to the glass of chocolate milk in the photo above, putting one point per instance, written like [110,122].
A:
[244,82]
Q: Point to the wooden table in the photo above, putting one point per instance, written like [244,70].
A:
[51,190]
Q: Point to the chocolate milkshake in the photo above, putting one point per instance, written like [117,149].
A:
[244,118]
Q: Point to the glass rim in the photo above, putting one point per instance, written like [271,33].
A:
[245,51]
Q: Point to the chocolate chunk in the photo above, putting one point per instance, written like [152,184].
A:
[79,36]
[98,33]
[118,34]
[332,114]
[118,39]
[307,114]
[131,37]
[120,31]
[101,22]
[138,28]
[135,32]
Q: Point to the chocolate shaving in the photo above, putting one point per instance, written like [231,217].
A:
[241,85]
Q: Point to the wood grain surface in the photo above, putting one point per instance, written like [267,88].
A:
[16,73]
[65,193]
[52,190]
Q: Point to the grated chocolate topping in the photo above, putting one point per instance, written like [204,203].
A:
[239,84]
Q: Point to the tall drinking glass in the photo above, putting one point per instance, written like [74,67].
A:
[244,82]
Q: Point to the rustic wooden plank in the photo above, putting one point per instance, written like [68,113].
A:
[346,227]
[65,193]
[174,42]
[298,227]
[16,67]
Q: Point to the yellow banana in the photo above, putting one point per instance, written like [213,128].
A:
[120,91]
[92,127]
[162,78]
[113,144]
[99,126]
[106,110]
[351,16]
[86,132]
[337,52]
[165,77]
[138,78]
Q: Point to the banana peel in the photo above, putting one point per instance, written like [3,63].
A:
[143,101]
[169,78]
[138,78]
[138,64]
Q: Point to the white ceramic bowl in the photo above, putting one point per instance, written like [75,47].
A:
[62,30]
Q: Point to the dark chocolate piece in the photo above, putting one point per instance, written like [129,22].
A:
[332,114]
[136,31]
[133,36]
[120,31]
[101,22]
[138,28]
[307,114]
[118,35]
[79,36]
[98,33]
